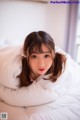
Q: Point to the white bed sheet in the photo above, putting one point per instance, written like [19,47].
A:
[51,111]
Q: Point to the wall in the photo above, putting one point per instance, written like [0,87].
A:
[19,18]
[57,23]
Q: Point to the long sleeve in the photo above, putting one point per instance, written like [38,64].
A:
[10,66]
[35,94]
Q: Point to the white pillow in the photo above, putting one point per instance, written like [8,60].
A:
[10,66]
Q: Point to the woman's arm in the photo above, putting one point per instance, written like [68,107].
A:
[32,95]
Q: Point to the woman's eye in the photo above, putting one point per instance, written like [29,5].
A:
[33,56]
[46,56]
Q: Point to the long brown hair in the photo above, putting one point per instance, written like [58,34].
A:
[34,42]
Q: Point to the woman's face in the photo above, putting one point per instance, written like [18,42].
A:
[41,62]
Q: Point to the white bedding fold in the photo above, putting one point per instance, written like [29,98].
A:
[27,96]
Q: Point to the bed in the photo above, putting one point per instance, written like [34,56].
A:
[55,101]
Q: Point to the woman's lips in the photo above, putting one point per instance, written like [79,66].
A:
[41,69]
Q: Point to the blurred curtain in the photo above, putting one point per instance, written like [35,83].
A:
[72,26]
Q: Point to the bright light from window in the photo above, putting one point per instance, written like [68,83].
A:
[78,37]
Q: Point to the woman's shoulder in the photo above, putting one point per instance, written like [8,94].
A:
[7,52]
[10,64]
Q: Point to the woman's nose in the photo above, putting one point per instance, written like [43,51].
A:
[41,63]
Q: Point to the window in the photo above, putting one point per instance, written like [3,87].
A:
[78,37]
